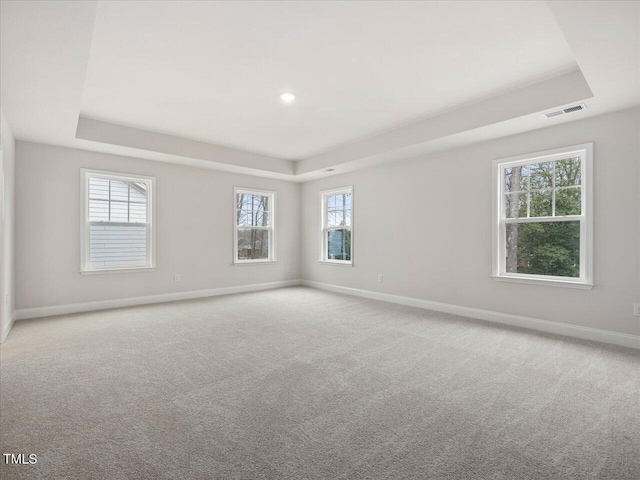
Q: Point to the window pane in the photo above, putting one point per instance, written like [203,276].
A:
[569,201]
[117,246]
[137,202]
[119,211]
[544,248]
[248,218]
[516,205]
[119,190]
[340,217]
[347,217]
[339,244]
[331,218]
[99,188]
[568,172]
[138,212]
[138,193]
[515,178]
[339,210]
[253,210]
[98,210]
[253,244]
[98,199]
[117,201]
[540,204]
[260,202]
[541,175]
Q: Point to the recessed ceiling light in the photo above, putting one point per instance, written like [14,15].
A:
[287,97]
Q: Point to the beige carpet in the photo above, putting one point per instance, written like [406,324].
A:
[301,383]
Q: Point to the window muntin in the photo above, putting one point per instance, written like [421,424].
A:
[543,189]
[543,228]
[254,226]
[117,231]
[337,235]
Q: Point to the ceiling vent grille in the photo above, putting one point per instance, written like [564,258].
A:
[571,109]
[575,108]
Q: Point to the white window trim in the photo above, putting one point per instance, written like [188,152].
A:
[585,281]
[323,228]
[271,228]
[85,268]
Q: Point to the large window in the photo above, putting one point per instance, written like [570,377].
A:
[254,226]
[117,222]
[543,218]
[337,226]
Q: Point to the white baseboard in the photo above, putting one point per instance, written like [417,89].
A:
[37,312]
[586,333]
[7,329]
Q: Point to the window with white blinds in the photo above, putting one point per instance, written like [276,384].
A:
[117,230]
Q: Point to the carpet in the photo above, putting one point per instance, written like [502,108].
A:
[303,383]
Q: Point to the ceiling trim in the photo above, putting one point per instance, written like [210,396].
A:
[113,134]
[561,90]
[551,93]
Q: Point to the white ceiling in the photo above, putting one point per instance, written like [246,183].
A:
[198,82]
[213,71]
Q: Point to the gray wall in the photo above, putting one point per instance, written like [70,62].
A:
[426,226]
[194,229]
[7,228]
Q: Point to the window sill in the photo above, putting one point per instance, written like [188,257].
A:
[253,262]
[117,270]
[544,282]
[340,263]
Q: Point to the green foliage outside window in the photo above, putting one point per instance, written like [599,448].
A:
[544,189]
[547,248]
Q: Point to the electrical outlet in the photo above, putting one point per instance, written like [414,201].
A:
[380,277]
[177,278]
[636,309]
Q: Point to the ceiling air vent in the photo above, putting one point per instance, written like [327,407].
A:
[573,108]
[554,114]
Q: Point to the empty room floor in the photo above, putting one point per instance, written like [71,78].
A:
[302,383]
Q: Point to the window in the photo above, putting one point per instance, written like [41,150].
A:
[337,226]
[254,226]
[543,218]
[117,222]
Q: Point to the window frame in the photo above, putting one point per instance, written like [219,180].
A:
[271,227]
[499,273]
[85,223]
[324,196]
